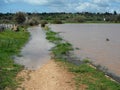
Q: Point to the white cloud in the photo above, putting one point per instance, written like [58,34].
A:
[86,7]
[75,5]
[96,6]
[7,1]
[37,2]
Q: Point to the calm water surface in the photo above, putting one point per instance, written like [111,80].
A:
[36,51]
[91,39]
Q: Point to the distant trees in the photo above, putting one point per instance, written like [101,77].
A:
[115,13]
[20,17]
[118,18]
[57,21]
[58,18]
[79,19]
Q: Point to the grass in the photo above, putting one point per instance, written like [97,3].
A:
[92,78]
[52,37]
[10,45]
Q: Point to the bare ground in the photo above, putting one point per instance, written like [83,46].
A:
[49,77]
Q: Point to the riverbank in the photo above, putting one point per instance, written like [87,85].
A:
[93,78]
[10,44]
[61,74]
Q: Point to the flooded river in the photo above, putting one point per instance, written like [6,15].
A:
[36,51]
[99,42]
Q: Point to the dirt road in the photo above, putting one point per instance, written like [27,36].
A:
[50,76]
[42,73]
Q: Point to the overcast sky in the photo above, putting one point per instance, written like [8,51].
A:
[60,5]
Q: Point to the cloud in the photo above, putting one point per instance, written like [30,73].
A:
[36,2]
[99,6]
[8,1]
[74,5]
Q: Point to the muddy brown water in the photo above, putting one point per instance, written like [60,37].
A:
[36,51]
[99,42]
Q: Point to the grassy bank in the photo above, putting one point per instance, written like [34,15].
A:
[90,78]
[10,44]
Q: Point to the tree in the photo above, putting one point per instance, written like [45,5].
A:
[115,13]
[20,17]
[118,18]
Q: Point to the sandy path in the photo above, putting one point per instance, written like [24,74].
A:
[49,77]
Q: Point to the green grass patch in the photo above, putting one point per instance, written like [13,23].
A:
[61,50]
[53,37]
[92,78]
[10,44]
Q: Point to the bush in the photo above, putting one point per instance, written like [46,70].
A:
[57,22]
[20,17]
[43,23]
[33,21]
[79,19]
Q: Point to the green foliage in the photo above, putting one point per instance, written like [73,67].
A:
[20,17]
[10,44]
[118,19]
[43,23]
[59,18]
[79,19]
[46,28]
[33,21]
[57,21]
[53,37]
[86,60]
[90,77]
[62,49]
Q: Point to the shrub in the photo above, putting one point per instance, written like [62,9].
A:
[33,21]
[57,21]
[20,17]
[43,23]
[79,19]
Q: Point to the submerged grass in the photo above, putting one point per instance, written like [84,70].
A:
[91,78]
[52,37]
[10,44]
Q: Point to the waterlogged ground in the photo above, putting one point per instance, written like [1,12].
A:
[36,52]
[91,40]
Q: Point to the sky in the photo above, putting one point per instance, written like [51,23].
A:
[40,6]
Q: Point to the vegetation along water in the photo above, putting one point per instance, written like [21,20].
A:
[91,78]
[10,45]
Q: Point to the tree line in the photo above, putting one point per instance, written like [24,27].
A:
[58,18]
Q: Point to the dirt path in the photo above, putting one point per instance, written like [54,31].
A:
[49,77]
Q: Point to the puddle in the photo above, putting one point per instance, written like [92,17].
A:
[36,51]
